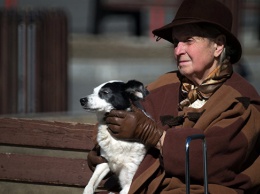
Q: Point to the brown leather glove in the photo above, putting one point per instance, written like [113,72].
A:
[133,126]
[94,158]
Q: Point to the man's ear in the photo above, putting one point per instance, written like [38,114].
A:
[219,45]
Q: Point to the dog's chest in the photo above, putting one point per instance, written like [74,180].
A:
[118,152]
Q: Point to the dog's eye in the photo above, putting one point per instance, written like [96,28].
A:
[104,92]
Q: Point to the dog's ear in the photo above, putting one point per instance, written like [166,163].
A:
[136,90]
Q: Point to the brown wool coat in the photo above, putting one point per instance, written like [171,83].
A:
[230,121]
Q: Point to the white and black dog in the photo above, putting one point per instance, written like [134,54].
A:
[123,157]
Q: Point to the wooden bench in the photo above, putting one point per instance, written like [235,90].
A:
[45,135]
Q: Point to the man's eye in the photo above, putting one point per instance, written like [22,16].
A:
[188,40]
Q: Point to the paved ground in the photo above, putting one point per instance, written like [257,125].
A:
[94,60]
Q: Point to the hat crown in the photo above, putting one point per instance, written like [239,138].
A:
[204,11]
[209,11]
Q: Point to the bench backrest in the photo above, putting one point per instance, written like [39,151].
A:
[42,135]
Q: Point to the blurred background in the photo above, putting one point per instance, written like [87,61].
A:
[55,52]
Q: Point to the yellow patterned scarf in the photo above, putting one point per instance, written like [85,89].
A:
[215,79]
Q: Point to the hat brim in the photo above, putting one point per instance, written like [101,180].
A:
[165,32]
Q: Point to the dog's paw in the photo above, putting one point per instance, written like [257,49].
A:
[88,190]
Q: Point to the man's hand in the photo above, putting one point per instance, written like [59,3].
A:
[133,126]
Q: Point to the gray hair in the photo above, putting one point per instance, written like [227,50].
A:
[211,31]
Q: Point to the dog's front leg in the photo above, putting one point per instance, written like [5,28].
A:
[100,172]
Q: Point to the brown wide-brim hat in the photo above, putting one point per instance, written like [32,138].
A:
[204,11]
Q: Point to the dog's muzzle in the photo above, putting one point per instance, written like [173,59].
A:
[83,101]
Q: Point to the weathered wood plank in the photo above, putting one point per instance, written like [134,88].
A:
[38,133]
[43,169]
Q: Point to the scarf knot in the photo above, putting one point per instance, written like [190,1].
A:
[216,78]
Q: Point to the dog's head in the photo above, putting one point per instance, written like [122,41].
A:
[114,95]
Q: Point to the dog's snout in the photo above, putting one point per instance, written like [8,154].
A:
[83,101]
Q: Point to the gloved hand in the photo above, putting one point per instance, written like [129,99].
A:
[133,126]
[94,158]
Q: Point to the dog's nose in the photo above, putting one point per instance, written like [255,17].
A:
[83,101]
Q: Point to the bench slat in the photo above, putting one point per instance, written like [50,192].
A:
[47,134]
[44,169]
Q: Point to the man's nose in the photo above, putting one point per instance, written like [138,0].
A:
[179,48]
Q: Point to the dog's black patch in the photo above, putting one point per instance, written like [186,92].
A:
[121,94]
[114,93]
